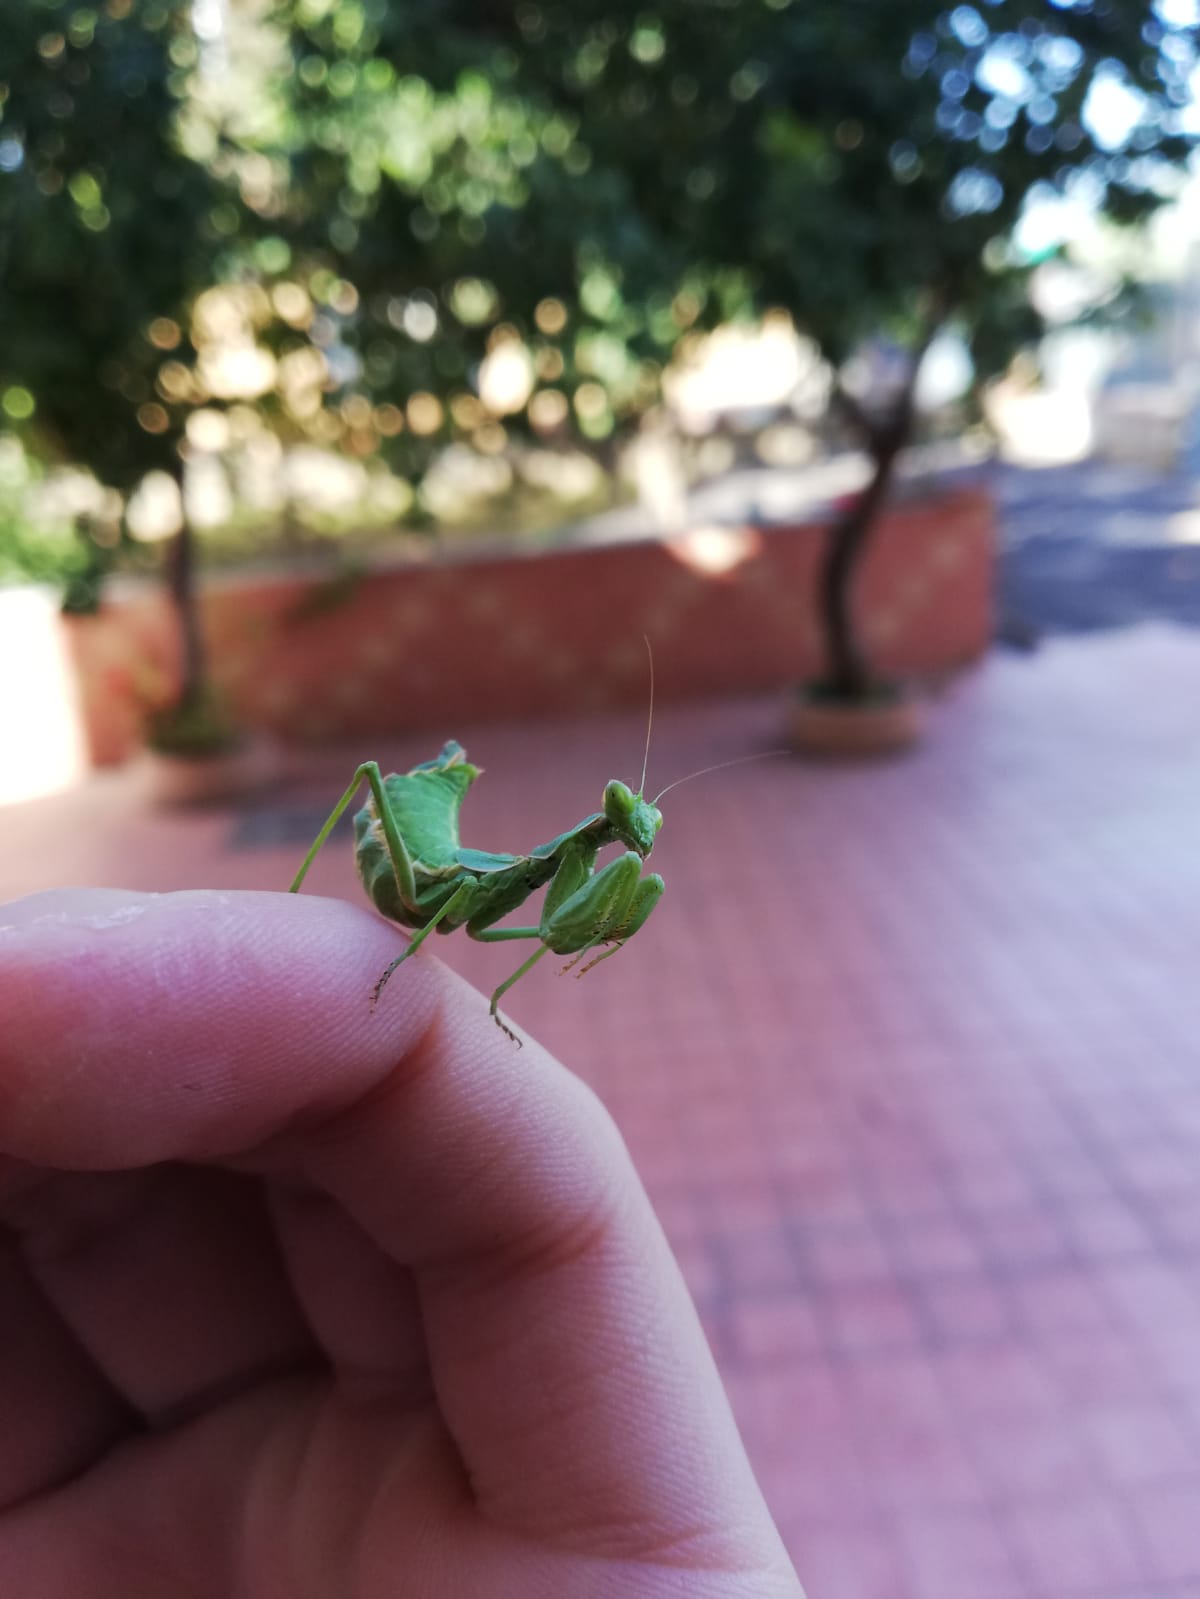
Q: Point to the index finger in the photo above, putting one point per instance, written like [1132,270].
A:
[565,1355]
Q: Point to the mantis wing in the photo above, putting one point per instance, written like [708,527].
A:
[425,803]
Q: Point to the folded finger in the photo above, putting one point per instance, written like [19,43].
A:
[563,1349]
[59,1411]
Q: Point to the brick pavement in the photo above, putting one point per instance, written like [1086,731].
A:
[908,1060]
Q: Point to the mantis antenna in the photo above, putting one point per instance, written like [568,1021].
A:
[742,760]
[650,718]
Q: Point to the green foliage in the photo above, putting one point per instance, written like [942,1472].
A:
[428,221]
[598,182]
[856,161]
[29,553]
[56,548]
[38,552]
[106,227]
[467,215]
[935,127]
[401,225]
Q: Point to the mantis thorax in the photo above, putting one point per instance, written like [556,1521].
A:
[634,820]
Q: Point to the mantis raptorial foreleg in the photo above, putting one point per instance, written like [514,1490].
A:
[646,895]
[574,872]
[582,908]
[610,905]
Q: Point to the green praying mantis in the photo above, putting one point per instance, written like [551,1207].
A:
[417,872]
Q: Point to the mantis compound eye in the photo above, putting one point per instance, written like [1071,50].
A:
[618,799]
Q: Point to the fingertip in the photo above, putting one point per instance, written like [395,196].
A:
[128,1021]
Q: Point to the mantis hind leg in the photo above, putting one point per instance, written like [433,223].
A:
[459,897]
[399,856]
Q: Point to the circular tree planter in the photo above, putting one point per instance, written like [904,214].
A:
[195,755]
[213,777]
[887,721]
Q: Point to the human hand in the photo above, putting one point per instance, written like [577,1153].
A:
[300,1299]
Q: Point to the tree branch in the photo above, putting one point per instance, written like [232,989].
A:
[856,414]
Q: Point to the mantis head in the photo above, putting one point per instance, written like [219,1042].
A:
[633,819]
[636,820]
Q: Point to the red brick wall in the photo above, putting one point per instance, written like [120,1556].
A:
[454,640]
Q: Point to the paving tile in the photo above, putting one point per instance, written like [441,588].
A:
[869,1318]
[1037,1456]
[1166,1519]
[937,1246]
[1098,1365]
[910,1436]
[1078,1545]
[1175,1216]
[1007,1380]
[770,1331]
[765,1260]
[914,1190]
[1106,1228]
[1063,1302]
[818,1192]
[851,1562]
[1158,1302]
[1154,1165]
[969,1309]
[1140,1441]
[996,1183]
[735,1209]
[961,1554]
[800,1432]
[1078,1178]
[854,1253]
[1023,1237]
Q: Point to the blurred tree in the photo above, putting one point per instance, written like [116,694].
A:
[473,271]
[108,228]
[566,189]
[903,144]
[863,164]
[390,226]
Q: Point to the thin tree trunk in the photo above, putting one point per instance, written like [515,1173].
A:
[181,582]
[847,671]
[848,675]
